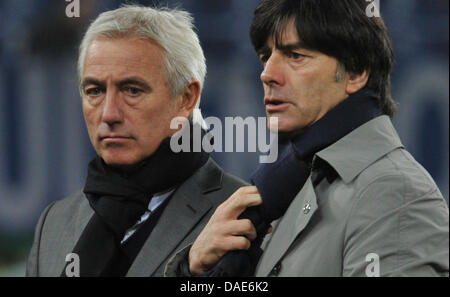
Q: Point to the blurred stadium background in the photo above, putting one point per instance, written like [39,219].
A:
[44,146]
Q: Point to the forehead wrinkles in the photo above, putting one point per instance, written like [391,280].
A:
[123,58]
[124,49]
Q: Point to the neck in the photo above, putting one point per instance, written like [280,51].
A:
[348,115]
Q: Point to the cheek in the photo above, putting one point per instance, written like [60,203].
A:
[311,87]
[89,120]
[92,121]
[155,123]
[308,84]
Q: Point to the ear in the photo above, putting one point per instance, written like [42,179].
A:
[189,98]
[356,82]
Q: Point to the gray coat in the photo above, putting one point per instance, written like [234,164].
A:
[185,215]
[383,215]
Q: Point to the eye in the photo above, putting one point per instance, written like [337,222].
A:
[264,57]
[132,91]
[295,56]
[93,91]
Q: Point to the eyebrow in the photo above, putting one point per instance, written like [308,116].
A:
[290,46]
[282,47]
[90,81]
[134,80]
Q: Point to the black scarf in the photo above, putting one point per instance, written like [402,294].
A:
[278,183]
[120,197]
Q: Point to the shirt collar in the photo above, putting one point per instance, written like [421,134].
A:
[353,153]
[158,199]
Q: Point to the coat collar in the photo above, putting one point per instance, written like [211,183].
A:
[183,211]
[353,153]
[349,156]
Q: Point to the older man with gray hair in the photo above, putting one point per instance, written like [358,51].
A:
[138,69]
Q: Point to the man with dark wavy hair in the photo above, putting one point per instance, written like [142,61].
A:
[344,197]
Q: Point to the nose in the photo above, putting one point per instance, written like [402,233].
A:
[112,113]
[272,73]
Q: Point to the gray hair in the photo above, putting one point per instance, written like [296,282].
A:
[172,29]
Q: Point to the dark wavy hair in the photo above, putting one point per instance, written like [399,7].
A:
[340,29]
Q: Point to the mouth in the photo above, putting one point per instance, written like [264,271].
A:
[114,138]
[275,104]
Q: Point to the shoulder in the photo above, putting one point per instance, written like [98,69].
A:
[216,183]
[65,219]
[69,208]
[398,213]
[398,173]
[397,183]
[55,234]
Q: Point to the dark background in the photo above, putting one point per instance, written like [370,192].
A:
[44,148]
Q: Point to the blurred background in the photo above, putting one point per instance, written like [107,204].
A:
[44,148]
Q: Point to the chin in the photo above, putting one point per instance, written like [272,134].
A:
[119,164]
[287,130]
[284,127]
[119,161]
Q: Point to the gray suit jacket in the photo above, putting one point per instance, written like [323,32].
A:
[383,215]
[185,215]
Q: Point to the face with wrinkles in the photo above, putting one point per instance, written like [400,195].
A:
[126,99]
[300,85]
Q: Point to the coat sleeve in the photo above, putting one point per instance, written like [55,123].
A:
[397,229]
[32,269]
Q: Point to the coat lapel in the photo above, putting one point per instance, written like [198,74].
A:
[300,211]
[185,209]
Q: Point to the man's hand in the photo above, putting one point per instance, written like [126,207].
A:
[224,232]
